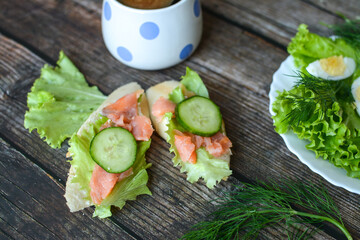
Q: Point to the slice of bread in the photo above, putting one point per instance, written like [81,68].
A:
[153,94]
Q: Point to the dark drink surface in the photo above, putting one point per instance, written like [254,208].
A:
[147,4]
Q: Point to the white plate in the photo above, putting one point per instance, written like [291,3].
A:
[336,176]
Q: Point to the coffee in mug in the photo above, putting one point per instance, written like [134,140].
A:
[147,4]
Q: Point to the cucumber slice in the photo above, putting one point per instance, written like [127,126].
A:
[199,115]
[114,149]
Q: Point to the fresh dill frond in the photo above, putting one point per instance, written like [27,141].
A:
[252,207]
[322,87]
[349,30]
[325,94]
[303,109]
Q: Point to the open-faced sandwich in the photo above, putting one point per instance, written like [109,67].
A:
[185,117]
[108,163]
[107,145]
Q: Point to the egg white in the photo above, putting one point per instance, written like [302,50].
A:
[355,85]
[316,70]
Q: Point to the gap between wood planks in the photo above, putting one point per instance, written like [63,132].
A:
[57,180]
[39,53]
[22,196]
[61,184]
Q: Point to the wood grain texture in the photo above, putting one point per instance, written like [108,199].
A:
[27,212]
[164,190]
[243,44]
[275,20]
[174,201]
[350,8]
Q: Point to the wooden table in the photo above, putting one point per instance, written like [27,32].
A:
[243,43]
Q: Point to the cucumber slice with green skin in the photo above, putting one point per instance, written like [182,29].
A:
[199,115]
[114,149]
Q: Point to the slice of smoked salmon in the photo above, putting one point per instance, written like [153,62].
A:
[124,113]
[162,106]
[218,144]
[141,128]
[179,133]
[102,183]
[215,149]
[186,148]
[125,174]
[198,140]
[124,109]
[107,124]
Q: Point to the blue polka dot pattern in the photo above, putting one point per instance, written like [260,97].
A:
[107,11]
[197,8]
[186,51]
[124,54]
[149,30]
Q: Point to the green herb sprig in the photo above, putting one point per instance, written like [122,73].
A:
[325,94]
[349,30]
[248,209]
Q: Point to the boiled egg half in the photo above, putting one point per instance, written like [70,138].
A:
[332,68]
[355,91]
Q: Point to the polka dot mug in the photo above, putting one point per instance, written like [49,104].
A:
[152,39]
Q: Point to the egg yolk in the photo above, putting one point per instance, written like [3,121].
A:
[334,66]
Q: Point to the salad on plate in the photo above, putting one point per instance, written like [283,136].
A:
[315,102]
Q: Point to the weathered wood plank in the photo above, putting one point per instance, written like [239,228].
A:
[179,203]
[351,8]
[232,57]
[17,223]
[54,162]
[278,20]
[9,232]
[32,204]
[275,20]
[240,94]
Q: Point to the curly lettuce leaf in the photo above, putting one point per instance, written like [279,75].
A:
[211,169]
[124,190]
[132,186]
[193,82]
[307,47]
[332,136]
[332,132]
[176,95]
[60,101]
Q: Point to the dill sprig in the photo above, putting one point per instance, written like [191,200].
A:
[305,106]
[349,30]
[252,207]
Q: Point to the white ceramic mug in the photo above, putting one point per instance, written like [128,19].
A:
[152,39]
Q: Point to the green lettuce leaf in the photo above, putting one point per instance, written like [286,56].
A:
[60,101]
[333,132]
[211,169]
[193,82]
[124,190]
[307,47]
[330,136]
[176,95]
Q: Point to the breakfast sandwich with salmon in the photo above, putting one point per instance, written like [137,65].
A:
[185,117]
[109,135]
[108,164]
